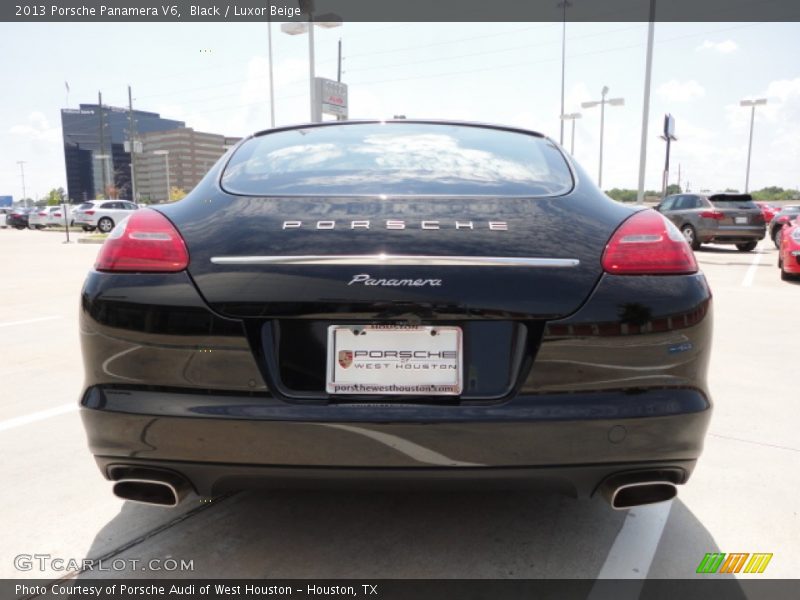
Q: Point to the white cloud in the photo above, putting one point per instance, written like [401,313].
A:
[37,129]
[725,47]
[681,91]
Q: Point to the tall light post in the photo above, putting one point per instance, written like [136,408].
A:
[563,5]
[602,102]
[571,117]
[648,71]
[752,104]
[165,154]
[293,28]
[271,86]
[21,164]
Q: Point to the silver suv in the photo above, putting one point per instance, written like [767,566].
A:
[725,218]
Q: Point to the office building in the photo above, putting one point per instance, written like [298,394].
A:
[94,148]
[189,154]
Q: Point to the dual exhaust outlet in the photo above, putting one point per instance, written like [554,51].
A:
[626,491]
[165,488]
[150,486]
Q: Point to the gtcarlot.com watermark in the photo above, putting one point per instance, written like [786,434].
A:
[48,562]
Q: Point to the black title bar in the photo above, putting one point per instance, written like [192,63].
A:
[144,11]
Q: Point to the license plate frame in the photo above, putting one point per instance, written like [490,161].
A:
[741,220]
[435,366]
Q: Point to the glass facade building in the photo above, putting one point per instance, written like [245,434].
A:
[94,148]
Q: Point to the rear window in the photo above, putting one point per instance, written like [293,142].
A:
[397,159]
[733,201]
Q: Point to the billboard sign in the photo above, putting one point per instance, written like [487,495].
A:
[331,97]
[6,201]
[669,127]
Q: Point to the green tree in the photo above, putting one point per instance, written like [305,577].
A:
[176,193]
[55,196]
[622,195]
[774,194]
[673,188]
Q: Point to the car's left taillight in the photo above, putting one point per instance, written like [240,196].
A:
[648,244]
[144,242]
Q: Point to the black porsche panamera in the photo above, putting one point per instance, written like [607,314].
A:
[398,301]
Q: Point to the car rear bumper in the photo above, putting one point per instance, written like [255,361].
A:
[226,442]
[727,234]
[791,262]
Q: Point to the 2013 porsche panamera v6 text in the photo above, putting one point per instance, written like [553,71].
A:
[390,301]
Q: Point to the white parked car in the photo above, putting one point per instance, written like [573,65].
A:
[76,208]
[103,214]
[46,217]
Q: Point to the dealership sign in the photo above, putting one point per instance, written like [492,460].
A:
[6,201]
[331,97]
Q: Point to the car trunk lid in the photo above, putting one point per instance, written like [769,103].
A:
[393,257]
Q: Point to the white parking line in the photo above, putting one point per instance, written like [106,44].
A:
[26,321]
[633,550]
[752,269]
[37,416]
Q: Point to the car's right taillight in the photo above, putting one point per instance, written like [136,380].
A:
[648,244]
[145,242]
[712,214]
[88,212]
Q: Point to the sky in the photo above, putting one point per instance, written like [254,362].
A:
[214,76]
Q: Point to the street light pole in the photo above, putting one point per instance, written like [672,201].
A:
[752,104]
[21,164]
[271,85]
[648,70]
[311,73]
[295,28]
[564,4]
[602,102]
[571,117]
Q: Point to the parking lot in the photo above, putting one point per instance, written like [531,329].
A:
[743,496]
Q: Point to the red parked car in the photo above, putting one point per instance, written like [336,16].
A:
[789,253]
[767,210]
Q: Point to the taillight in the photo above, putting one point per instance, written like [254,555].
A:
[42,214]
[88,212]
[648,244]
[144,242]
[712,214]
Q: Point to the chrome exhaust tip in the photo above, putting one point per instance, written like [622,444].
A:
[640,488]
[641,493]
[153,488]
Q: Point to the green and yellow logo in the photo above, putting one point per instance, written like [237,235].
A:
[719,562]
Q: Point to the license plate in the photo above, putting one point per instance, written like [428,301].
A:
[394,360]
[741,220]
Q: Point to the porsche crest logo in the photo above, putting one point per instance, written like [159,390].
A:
[345,358]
